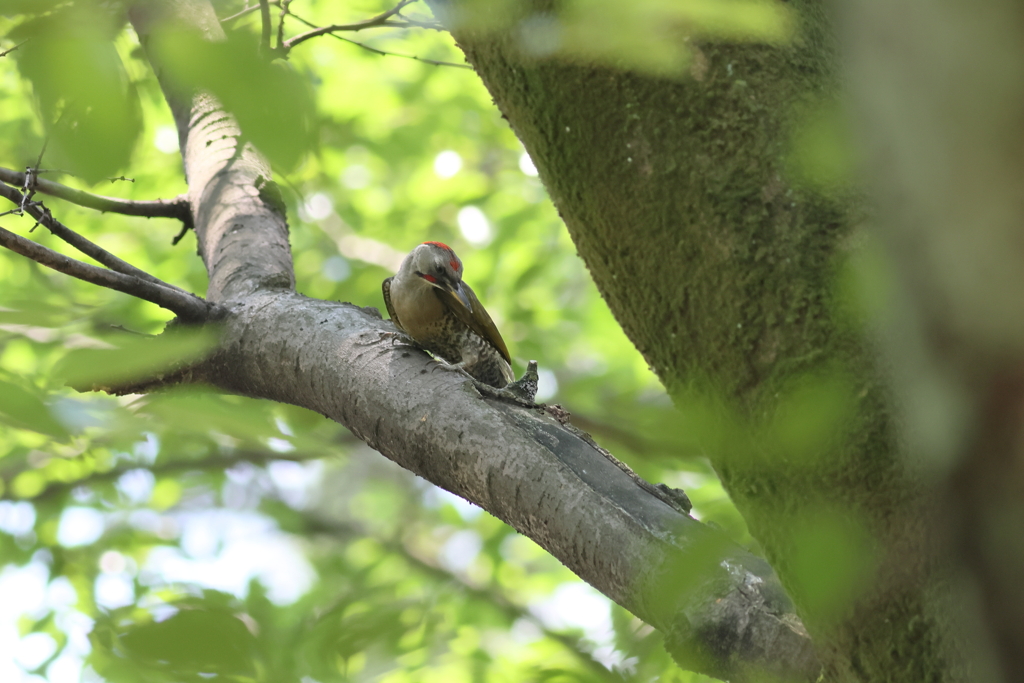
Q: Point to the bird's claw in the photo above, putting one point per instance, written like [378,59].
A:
[454,367]
[522,391]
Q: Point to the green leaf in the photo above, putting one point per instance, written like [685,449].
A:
[271,101]
[199,411]
[135,358]
[88,105]
[20,408]
[194,641]
[36,313]
[12,8]
[832,561]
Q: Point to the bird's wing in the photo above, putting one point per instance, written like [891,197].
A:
[386,289]
[477,319]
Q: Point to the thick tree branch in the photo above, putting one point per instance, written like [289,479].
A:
[265,26]
[188,307]
[176,208]
[721,609]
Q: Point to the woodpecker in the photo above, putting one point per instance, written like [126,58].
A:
[428,300]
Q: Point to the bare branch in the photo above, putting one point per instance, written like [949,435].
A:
[12,49]
[280,23]
[384,53]
[377,21]
[247,11]
[90,249]
[381,20]
[648,448]
[265,26]
[177,208]
[188,307]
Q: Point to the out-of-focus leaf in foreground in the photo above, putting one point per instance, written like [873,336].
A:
[271,101]
[646,35]
[86,101]
[135,358]
[21,408]
[190,645]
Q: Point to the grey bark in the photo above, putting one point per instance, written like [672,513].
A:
[721,609]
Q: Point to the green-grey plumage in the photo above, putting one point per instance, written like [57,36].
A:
[428,300]
[477,319]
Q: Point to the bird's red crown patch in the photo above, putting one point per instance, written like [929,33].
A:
[454,263]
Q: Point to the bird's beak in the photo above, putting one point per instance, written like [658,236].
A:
[459,291]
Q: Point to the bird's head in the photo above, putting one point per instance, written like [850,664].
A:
[436,264]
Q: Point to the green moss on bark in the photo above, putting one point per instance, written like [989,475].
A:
[722,272]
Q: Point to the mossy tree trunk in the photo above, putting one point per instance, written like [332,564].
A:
[727,275]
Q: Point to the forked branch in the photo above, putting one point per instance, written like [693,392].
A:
[87,247]
[382,19]
[118,274]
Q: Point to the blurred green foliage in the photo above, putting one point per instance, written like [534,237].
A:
[86,102]
[653,36]
[823,157]
[194,536]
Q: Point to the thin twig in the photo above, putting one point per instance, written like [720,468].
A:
[12,49]
[265,26]
[46,143]
[28,182]
[247,11]
[378,51]
[384,53]
[90,249]
[379,20]
[177,208]
[390,23]
[187,306]
[647,449]
[280,23]
[180,236]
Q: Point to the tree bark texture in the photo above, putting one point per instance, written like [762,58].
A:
[723,273]
[731,619]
